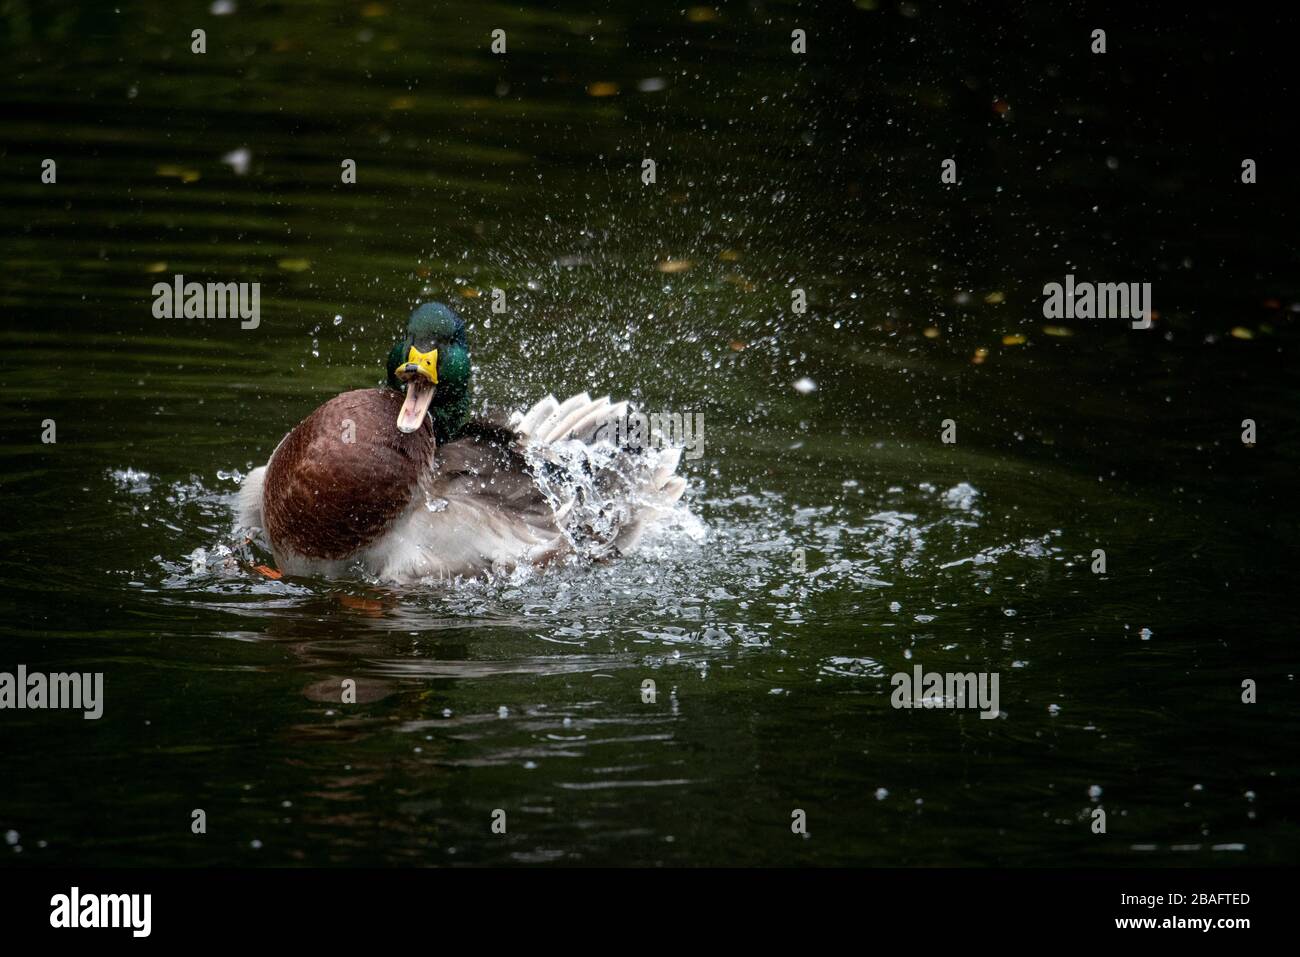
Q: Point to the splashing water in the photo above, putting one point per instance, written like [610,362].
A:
[598,492]
[721,578]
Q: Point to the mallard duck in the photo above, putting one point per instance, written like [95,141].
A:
[403,482]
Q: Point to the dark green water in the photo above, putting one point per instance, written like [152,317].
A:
[774,171]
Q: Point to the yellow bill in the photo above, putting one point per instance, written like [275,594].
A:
[420,373]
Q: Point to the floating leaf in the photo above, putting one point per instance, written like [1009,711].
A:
[1013,339]
[402,103]
[729,256]
[361,604]
[1241,332]
[184,174]
[675,265]
[156,267]
[995,298]
[931,332]
[374,10]
[980,355]
[602,88]
[1058,331]
[738,280]
[738,346]
[294,265]
[702,15]
[469,292]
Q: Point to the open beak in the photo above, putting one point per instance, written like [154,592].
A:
[420,373]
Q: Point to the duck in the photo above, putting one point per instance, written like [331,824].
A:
[404,484]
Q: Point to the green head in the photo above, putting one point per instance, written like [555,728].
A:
[430,366]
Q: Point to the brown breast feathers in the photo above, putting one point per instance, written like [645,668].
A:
[342,475]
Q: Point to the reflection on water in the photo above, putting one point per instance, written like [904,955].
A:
[829,539]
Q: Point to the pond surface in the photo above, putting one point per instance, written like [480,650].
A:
[829,538]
